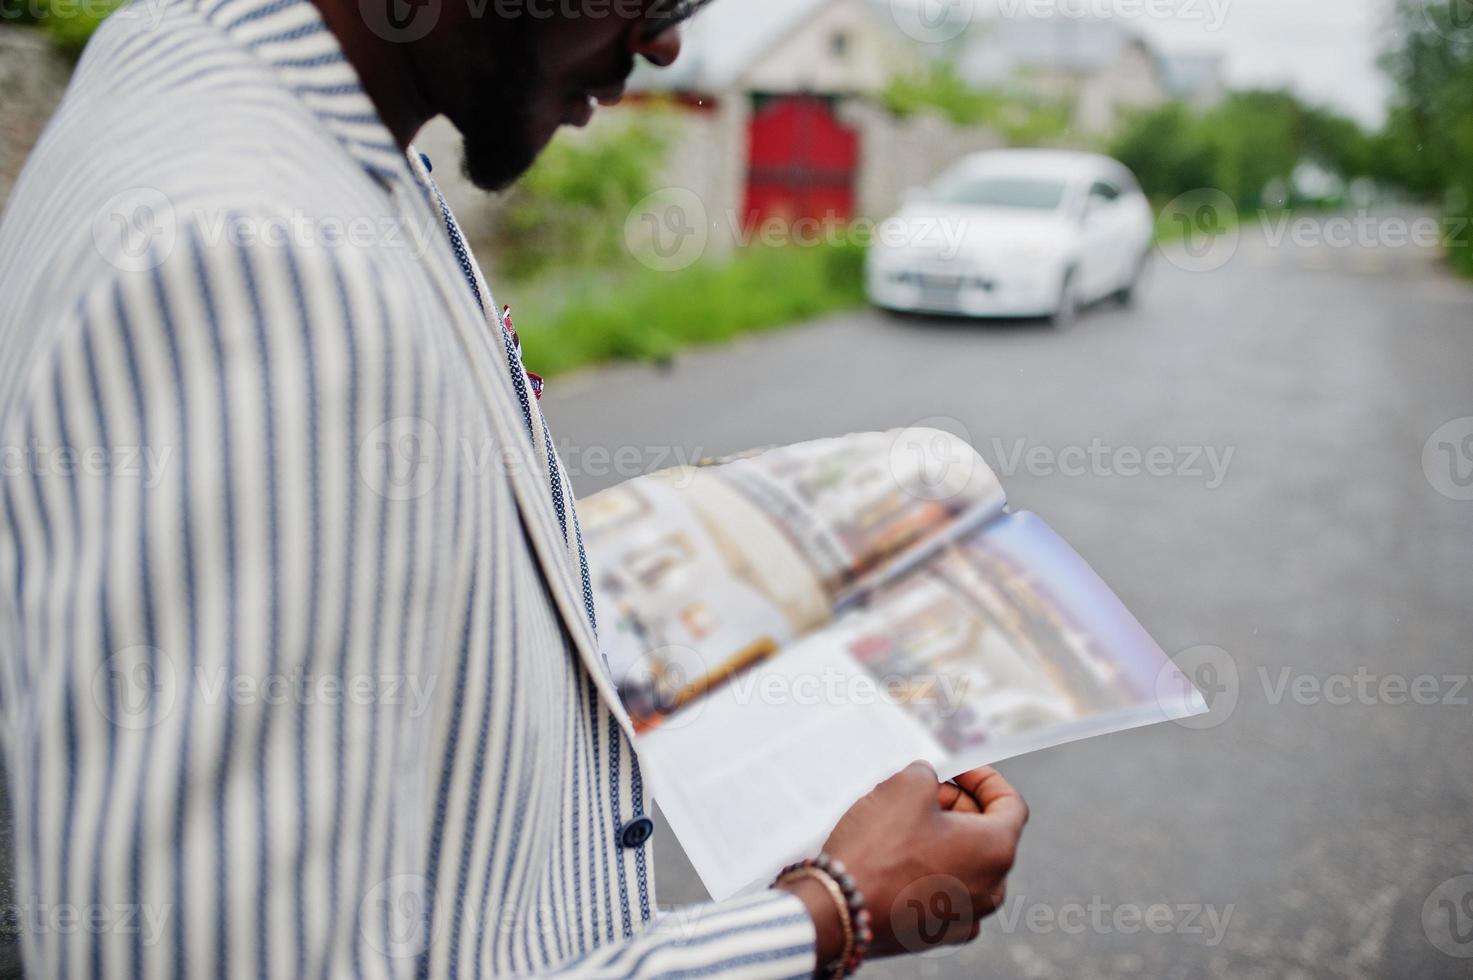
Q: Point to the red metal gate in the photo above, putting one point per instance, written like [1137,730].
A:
[802,162]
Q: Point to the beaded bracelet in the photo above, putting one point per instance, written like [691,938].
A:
[848,900]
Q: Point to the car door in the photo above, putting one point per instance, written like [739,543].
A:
[1104,250]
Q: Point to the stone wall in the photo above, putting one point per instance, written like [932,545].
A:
[896,155]
[32,79]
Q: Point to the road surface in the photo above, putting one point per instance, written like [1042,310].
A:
[1320,825]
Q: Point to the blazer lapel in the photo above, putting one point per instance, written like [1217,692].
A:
[526,454]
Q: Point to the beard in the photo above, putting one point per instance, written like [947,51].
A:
[500,130]
[499,147]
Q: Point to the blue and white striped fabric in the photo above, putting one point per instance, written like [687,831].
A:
[297,675]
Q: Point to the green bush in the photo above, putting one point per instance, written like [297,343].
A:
[1430,132]
[1250,142]
[70,23]
[650,315]
[569,210]
[1021,120]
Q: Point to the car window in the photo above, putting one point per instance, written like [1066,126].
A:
[1028,193]
[1104,192]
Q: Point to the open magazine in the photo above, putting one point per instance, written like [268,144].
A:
[788,628]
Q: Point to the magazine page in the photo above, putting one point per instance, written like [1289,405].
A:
[1003,643]
[702,573]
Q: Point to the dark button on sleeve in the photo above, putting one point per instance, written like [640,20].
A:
[636,832]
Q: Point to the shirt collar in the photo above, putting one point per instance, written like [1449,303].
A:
[291,36]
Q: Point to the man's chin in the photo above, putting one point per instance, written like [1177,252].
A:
[495,162]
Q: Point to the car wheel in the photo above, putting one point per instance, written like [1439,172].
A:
[1126,294]
[1067,309]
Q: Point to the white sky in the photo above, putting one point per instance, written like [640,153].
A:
[1324,49]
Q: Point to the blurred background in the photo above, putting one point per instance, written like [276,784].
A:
[1273,301]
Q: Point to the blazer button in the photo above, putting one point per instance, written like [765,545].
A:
[636,832]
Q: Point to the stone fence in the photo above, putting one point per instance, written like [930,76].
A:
[32,78]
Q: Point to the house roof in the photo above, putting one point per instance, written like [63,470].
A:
[1189,74]
[722,42]
[998,49]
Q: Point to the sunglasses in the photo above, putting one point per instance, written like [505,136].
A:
[665,14]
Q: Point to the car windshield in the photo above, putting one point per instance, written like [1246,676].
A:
[1028,193]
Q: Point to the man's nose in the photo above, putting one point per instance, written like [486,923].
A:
[660,50]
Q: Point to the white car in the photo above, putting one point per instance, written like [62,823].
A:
[1026,233]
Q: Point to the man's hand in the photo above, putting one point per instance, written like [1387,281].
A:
[931,858]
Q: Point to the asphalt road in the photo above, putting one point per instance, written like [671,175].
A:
[1305,833]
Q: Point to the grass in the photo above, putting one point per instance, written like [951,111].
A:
[648,315]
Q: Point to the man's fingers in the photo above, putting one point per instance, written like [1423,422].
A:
[952,797]
[917,781]
[994,794]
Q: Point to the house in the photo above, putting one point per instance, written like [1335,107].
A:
[1195,78]
[1098,67]
[767,83]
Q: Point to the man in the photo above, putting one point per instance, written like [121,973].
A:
[294,685]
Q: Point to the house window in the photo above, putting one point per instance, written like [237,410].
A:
[839,45]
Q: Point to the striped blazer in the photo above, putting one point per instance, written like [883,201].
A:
[298,673]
